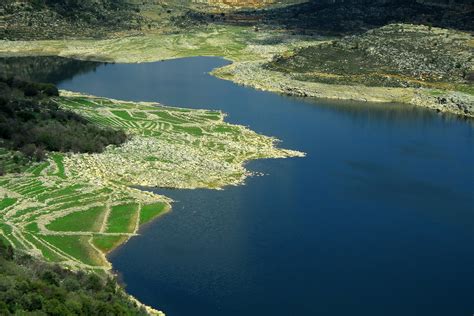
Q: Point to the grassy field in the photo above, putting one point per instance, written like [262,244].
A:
[108,243]
[75,208]
[123,218]
[83,221]
[150,211]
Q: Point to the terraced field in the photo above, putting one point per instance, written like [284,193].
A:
[75,208]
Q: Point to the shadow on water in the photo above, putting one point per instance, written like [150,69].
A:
[51,69]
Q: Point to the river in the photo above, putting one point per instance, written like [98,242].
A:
[378,219]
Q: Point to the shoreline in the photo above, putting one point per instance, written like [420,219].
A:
[248,51]
[166,210]
[251,74]
[150,310]
[168,147]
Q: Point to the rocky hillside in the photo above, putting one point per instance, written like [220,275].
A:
[245,4]
[336,17]
[397,55]
[236,3]
[44,19]
[52,19]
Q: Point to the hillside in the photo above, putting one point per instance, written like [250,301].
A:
[37,19]
[31,287]
[397,55]
[32,125]
[335,17]
[106,18]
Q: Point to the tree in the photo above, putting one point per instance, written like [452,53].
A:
[6,251]
[29,150]
[31,90]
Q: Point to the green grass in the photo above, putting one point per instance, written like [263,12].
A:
[62,206]
[75,246]
[58,159]
[151,158]
[124,115]
[466,88]
[34,191]
[151,211]
[3,239]
[122,218]
[224,129]
[436,93]
[107,243]
[139,115]
[212,117]
[83,221]
[39,168]
[47,253]
[165,116]
[78,102]
[196,131]
[7,231]
[6,202]
[74,198]
[61,192]
[25,211]
[32,228]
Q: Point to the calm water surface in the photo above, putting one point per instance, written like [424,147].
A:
[378,219]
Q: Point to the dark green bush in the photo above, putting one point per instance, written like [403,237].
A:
[34,124]
[31,287]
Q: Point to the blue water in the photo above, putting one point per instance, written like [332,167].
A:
[378,219]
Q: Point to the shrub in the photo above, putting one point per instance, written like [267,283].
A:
[31,90]
[34,124]
[51,90]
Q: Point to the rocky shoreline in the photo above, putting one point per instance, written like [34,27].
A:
[305,66]
[252,74]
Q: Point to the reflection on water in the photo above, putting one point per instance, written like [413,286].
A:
[376,220]
[45,69]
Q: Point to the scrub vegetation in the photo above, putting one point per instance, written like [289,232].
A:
[29,286]
[30,122]
[60,18]
[414,56]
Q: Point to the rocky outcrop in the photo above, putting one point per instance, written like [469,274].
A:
[451,102]
[396,55]
[252,74]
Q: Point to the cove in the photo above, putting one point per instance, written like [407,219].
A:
[378,219]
